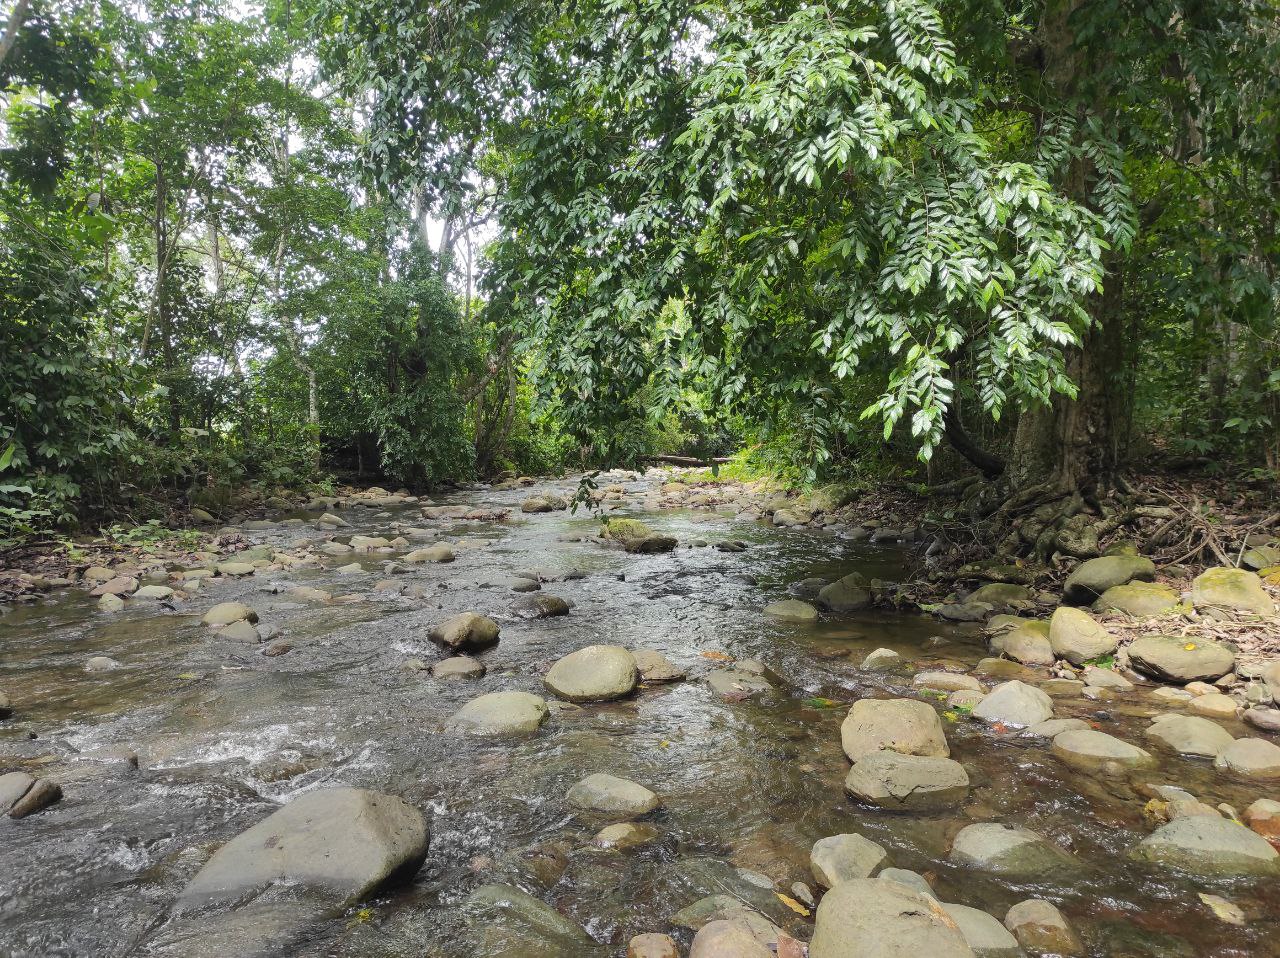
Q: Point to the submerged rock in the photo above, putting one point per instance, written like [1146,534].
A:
[843,858]
[339,844]
[1041,929]
[458,667]
[900,725]
[436,553]
[946,682]
[983,933]
[500,713]
[1090,750]
[879,918]
[612,795]
[1177,659]
[907,782]
[848,594]
[542,606]
[791,610]
[515,920]
[1008,850]
[737,683]
[1209,846]
[596,673]
[22,795]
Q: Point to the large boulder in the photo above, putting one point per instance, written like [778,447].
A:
[596,673]
[1075,637]
[881,918]
[500,713]
[1250,758]
[1090,750]
[907,782]
[1190,734]
[1231,590]
[1210,846]
[842,858]
[1092,578]
[612,795]
[1178,659]
[1138,599]
[907,726]
[468,631]
[1008,850]
[1015,703]
[338,844]
[848,594]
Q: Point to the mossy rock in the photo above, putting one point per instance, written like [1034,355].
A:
[1093,578]
[1235,590]
[1139,599]
[830,497]
[1000,594]
[625,530]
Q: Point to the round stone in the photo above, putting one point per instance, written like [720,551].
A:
[1250,758]
[224,613]
[596,673]
[500,713]
[612,795]
[1090,750]
[1016,704]
[898,725]
[791,610]
[458,667]
[1076,637]
[1209,846]
[880,918]
[842,858]
[1179,659]
[1190,735]
[1008,850]
[907,782]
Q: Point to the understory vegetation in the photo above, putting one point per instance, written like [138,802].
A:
[1011,252]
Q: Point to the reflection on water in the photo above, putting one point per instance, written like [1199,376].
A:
[223,734]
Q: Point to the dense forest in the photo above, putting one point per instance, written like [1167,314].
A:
[426,243]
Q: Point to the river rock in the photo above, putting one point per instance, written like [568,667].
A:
[458,667]
[652,945]
[6,706]
[737,683]
[500,713]
[1209,846]
[340,844]
[336,522]
[612,795]
[466,631]
[1053,727]
[1090,750]
[651,544]
[879,918]
[1213,705]
[1231,590]
[907,726]
[436,553]
[983,933]
[224,613]
[728,938]
[1100,678]
[1138,599]
[1041,929]
[882,660]
[13,786]
[1076,637]
[1026,645]
[596,673]
[911,879]
[241,631]
[623,835]
[236,569]
[656,667]
[521,924]
[1250,758]
[842,858]
[791,610]
[1008,850]
[907,782]
[335,548]
[1000,595]
[1176,659]
[1092,578]
[121,585]
[1262,815]
[39,795]
[847,594]
[154,592]
[1015,703]
[1266,719]
[101,663]
[946,682]
[542,606]
[110,603]
[1190,735]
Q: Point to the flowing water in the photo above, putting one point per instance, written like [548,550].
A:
[224,735]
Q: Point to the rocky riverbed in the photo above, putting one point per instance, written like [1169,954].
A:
[380,726]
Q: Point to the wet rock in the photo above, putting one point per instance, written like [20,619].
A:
[1262,815]
[879,918]
[224,613]
[241,631]
[1138,599]
[656,667]
[882,660]
[983,933]
[964,699]
[1026,645]
[542,606]
[1094,577]
[1016,704]
[596,673]
[40,795]
[1076,637]
[843,858]
[500,713]
[946,682]
[467,631]
[121,585]
[1003,669]
[731,938]
[715,908]
[523,585]
[1064,688]
[336,522]
[1231,590]
[101,663]
[1209,846]
[808,588]
[1176,659]
[1041,929]
[791,610]
[339,844]
[335,548]
[1008,850]
[1168,696]
[1213,705]
[6,706]
[458,667]
[12,787]
[612,795]
[907,782]
[650,544]
[898,725]
[848,594]
[154,592]
[1101,678]
[1053,727]
[652,945]
[1090,750]
[522,920]
[1250,758]
[736,684]
[436,553]
[1190,735]
[909,878]
[1000,594]
[624,835]
[1266,719]
[110,603]
[354,568]
[277,647]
